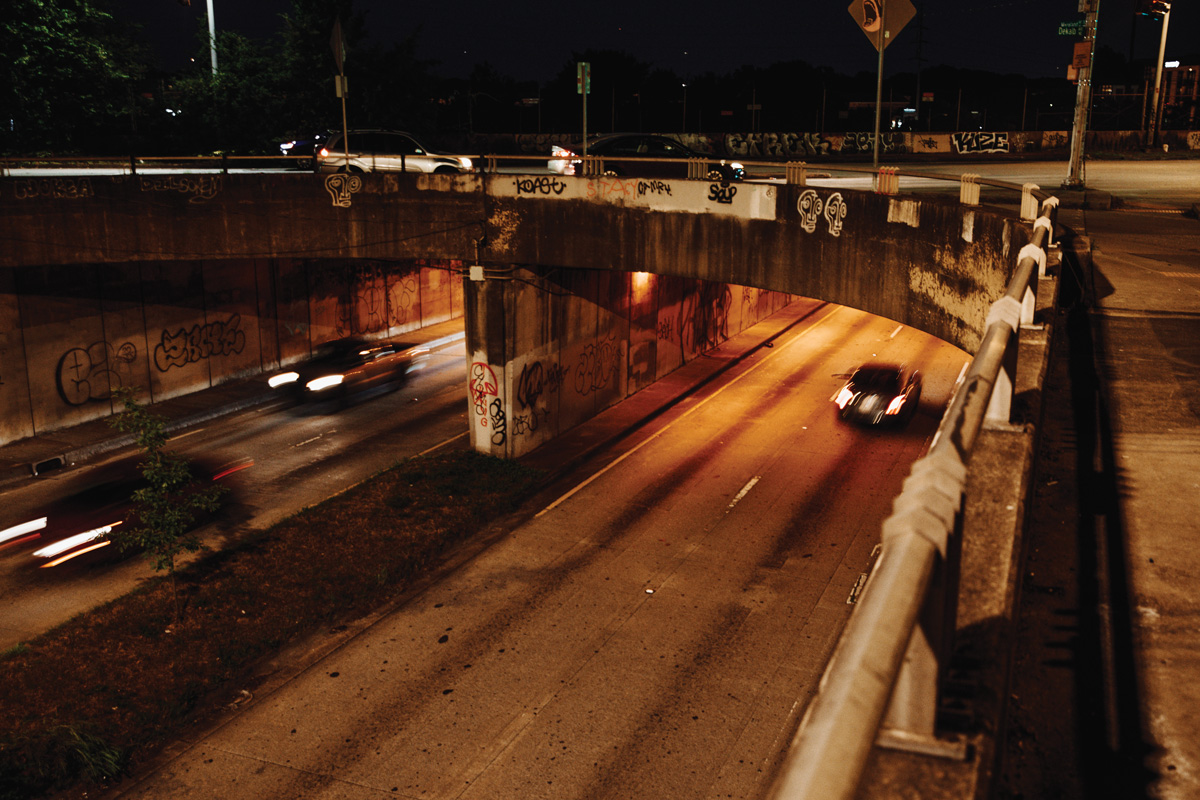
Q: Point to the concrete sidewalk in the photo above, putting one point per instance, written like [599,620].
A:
[1105,699]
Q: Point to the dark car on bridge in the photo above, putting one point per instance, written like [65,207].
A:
[669,158]
[304,149]
[343,368]
[880,394]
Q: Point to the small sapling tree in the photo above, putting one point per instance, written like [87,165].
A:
[166,508]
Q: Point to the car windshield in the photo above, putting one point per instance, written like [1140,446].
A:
[876,380]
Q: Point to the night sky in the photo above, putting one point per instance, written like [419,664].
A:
[534,41]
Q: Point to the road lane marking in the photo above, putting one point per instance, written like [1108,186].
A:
[443,444]
[774,352]
[745,491]
[898,329]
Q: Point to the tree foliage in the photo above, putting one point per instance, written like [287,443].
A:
[166,508]
[70,66]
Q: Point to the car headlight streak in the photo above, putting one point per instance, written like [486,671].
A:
[283,379]
[17,531]
[324,382]
[71,542]
[895,406]
[844,397]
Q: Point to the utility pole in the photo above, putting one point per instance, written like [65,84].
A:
[1158,9]
[1083,96]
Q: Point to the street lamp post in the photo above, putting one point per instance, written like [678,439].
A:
[212,37]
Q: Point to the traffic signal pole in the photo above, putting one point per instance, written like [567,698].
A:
[1083,96]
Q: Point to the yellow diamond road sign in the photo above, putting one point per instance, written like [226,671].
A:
[870,16]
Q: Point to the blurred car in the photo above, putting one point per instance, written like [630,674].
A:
[305,148]
[372,150]
[345,367]
[616,150]
[880,394]
[76,528]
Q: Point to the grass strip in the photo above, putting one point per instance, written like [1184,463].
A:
[86,701]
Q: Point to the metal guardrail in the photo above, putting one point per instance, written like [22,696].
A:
[883,679]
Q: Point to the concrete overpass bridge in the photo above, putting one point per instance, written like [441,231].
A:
[576,292]
[597,285]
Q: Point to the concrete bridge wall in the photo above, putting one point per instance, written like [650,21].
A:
[70,334]
[98,263]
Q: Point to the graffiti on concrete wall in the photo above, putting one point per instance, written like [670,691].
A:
[499,423]
[91,373]
[482,384]
[812,209]
[721,192]
[362,302]
[980,142]
[58,188]
[704,317]
[865,143]
[776,145]
[189,346]
[1193,140]
[597,365]
[340,186]
[1053,140]
[539,184]
[404,299]
[536,380]
[197,188]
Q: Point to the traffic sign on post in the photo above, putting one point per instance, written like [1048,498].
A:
[870,17]
[583,78]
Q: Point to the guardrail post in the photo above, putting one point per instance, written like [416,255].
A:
[1050,214]
[887,181]
[132,164]
[224,163]
[968,191]
[1008,311]
[929,506]
[795,173]
[593,166]
[1029,203]
[696,168]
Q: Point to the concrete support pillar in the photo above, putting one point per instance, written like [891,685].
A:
[487,355]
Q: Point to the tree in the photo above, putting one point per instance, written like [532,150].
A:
[69,72]
[166,509]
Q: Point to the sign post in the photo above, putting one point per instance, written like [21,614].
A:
[880,20]
[583,85]
[338,42]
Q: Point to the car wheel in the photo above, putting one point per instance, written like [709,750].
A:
[715,175]
[611,173]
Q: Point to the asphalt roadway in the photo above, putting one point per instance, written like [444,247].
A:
[1105,698]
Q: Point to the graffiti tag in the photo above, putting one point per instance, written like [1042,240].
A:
[722,193]
[198,343]
[199,188]
[58,188]
[980,142]
[340,186]
[91,373]
[539,185]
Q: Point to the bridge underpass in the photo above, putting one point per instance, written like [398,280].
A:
[887,263]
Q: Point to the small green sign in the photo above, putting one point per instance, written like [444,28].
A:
[1076,28]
